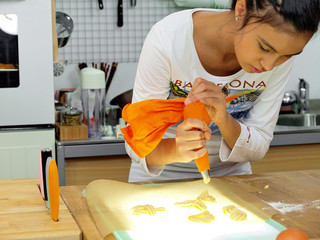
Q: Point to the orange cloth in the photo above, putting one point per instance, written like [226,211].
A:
[148,121]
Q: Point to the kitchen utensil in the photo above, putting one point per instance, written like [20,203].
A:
[112,115]
[290,103]
[106,71]
[122,99]
[100,4]
[58,67]
[110,77]
[120,13]
[108,199]
[64,25]
[198,110]
[133,3]
[43,156]
[82,65]
[53,187]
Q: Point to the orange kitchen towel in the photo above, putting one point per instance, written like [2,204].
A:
[148,121]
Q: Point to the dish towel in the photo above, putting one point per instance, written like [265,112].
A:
[148,121]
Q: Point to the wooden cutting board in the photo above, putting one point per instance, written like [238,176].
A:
[24,215]
[291,198]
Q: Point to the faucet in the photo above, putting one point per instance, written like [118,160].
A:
[304,96]
[297,102]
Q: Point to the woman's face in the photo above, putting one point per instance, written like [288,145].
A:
[261,47]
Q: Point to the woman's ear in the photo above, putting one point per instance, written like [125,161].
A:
[240,8]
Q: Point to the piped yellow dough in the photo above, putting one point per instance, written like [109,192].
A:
[238,215]
[192,203]
[204,217]
[228,209]
[205,197]
[146,209]
[235,214]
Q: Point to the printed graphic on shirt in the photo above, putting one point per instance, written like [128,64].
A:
[177,91]
[239,101]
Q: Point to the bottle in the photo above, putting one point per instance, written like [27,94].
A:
[93,98]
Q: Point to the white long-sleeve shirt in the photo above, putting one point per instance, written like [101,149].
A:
[167,68]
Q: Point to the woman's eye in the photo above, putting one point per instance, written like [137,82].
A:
[263,49]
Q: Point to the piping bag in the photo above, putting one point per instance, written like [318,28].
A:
[199,111]
[148,121]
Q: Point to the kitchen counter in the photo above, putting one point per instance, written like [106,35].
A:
[111,146]
[283,136]
[292,135]
[24,215]
[290,198]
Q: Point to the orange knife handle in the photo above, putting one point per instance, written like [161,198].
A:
[54,190]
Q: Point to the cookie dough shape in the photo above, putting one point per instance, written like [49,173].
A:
[238,215]
[146,209]
[192,203]
[229,209]
[234,213]
[204,217]
[205,197]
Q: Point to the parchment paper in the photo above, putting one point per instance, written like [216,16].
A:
[110,202]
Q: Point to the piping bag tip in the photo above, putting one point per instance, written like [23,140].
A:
[206,176]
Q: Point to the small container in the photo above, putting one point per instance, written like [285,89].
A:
[93,100]
[58,110]
[70,117]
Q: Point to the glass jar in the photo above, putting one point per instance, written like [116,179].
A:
[70,116]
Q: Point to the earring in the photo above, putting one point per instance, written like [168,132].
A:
[237,18]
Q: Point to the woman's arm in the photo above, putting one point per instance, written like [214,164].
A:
[249,139]
[212,95]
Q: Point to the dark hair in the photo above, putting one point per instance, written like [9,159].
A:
[304,15]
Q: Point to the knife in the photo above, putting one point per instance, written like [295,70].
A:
[52,181]
[120,13]
[100,4]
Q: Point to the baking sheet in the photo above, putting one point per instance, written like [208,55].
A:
[110,202]
[262,231]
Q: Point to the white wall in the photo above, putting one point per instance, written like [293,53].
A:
[307,66]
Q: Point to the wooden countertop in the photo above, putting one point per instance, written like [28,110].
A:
[24,215]
[291,198]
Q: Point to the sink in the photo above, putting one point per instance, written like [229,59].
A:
[304,120]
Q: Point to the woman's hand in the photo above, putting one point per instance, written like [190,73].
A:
[191,139]
[212,96]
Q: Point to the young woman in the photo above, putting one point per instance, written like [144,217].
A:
[197,53]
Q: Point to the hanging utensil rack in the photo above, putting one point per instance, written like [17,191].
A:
[96,36]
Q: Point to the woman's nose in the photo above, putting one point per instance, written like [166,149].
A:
[268,63]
